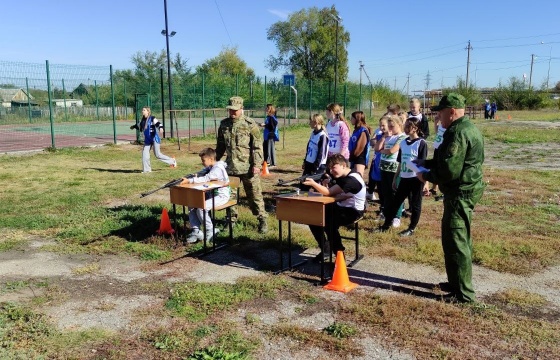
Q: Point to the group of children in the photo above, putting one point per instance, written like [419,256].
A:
[397,143]
[343,157]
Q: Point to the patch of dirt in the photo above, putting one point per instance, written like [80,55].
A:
[118,288]
[119,294]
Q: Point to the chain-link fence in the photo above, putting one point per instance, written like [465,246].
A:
[51,105]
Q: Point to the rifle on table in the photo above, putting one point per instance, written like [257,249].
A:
[176,182]
[299,180]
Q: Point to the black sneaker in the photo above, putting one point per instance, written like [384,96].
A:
[321,257]
[405,233]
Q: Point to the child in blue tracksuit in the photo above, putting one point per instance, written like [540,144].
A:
[148,126]
[270,135]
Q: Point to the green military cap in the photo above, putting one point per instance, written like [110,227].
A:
[451,100]
[235,103]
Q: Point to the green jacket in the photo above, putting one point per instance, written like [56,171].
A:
[241,141]
[457,164]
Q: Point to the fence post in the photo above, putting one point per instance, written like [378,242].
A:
[64,98]
[310,97]
[203,93]
[113,105]
[370,100]
[162,100]
[96,98]
[50,104]
[28,100]
[345,98]
[126,102]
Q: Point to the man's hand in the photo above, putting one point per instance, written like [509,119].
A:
[256,170]
[420,176]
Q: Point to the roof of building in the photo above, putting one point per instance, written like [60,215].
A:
[12,95]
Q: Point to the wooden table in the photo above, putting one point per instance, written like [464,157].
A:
[305,208]
[194,196]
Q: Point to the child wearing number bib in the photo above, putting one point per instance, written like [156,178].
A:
[337,131]
[316,155]
[412,149]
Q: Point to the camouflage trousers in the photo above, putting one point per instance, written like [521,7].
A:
[253,191]
[457,243]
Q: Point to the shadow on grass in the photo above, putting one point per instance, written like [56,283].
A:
[122,171]
[142,222]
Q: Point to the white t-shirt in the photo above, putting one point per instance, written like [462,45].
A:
[335,140]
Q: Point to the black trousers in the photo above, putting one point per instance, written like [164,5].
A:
[336,217]
[411,188]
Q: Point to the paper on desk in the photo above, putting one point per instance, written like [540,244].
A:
[414,167]
[206,186]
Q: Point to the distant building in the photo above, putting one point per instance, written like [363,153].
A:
[15,98]
[69,102]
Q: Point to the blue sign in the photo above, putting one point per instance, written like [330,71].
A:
[290,80]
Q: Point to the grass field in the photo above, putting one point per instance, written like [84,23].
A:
[85,202]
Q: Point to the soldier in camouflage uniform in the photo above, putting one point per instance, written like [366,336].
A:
[457,169]
[239,137]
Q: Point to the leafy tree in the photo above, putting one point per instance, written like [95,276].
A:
[518,96]
[227,63]
[306,44]
[148,64]
[471,93]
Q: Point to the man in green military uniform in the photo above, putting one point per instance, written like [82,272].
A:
[239,137]
[457,169]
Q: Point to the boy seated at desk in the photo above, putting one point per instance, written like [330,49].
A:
[350,195]
[217,172]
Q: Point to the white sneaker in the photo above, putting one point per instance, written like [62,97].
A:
[195,236]
[210,234]
[396,222]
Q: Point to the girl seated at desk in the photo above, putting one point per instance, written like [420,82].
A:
[217,172]
[350,194]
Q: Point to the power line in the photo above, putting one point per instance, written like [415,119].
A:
[223,22]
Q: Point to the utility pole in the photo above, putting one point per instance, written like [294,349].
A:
[361,68]
[469,48]
[407,84]
[337,19]
[531,73]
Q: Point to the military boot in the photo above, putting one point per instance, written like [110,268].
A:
[263,226]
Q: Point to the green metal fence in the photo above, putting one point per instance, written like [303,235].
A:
[52,105]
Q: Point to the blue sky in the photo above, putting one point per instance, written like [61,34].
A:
[399,42]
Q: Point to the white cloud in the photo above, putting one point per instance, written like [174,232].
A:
[282,14]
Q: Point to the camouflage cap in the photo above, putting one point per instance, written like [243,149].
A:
[451,100]
[235,103]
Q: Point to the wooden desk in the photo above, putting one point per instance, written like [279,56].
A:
[194,196]
[302,209]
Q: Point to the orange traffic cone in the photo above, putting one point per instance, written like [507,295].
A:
[497,117]
[340,280]
[264,171]
[509,117]
[165,224]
